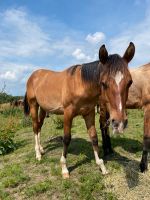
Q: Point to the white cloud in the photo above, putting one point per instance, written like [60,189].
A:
[14,71]
[95,38]
[8,75]
[20,35]
[79,55]
[15,76]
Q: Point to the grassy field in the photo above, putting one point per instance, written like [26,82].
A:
[22,177]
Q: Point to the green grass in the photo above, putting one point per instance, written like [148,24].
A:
[38,188]
[13,175]
[22,177]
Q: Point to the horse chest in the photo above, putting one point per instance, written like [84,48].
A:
[85,109]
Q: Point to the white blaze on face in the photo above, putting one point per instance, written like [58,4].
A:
[121,127]
[120,106]
[118,78]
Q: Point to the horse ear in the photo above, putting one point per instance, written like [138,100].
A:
[103,54]
[129,53]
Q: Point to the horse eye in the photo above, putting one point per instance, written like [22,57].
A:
[104,85]
[129,83]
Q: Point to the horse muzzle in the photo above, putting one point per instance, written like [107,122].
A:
[119,126]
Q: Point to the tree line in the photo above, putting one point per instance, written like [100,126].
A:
[6,98]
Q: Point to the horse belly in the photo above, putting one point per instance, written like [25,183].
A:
[51,105]
[55,110]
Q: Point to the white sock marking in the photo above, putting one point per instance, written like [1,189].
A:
[37,148]
[64,166]
[39,140]
[100,163]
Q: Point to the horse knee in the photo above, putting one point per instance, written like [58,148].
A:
[40,124]
[35,127]
[67,139]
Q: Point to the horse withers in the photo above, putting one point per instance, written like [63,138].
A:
[138,98]
[75,91]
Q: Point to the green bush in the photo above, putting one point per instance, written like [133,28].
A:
[26,122]
[11,120]
[6,98]
[12,112]
[6,139]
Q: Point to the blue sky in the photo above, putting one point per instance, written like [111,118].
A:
[55,34]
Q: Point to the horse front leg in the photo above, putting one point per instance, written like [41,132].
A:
[90,124]
[104,126]
[146,139]
[66,141]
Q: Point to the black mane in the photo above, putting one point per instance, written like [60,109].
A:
[90,72]
[72,69]
[114,64]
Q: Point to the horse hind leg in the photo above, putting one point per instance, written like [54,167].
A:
[66,141]
[34,115]
[42,115]
[146,139]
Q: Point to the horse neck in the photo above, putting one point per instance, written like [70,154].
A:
[91,89]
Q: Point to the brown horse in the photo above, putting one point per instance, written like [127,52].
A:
[75,91]
[139,97]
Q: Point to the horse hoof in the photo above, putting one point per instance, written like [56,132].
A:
[143,167]
[38,158]
[42,151]
[105,172]
[65,175]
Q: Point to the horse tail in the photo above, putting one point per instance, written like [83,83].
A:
[26,105]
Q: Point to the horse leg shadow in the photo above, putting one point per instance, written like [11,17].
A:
[78,147]
[53,143]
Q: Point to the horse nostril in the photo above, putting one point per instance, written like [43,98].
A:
[115,123]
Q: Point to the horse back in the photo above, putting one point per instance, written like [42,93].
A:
[45,87]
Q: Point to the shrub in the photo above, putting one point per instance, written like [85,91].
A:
[16,112]
[12,119]
[26,121]
[6,137]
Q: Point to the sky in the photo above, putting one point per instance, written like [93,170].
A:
[55,34]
